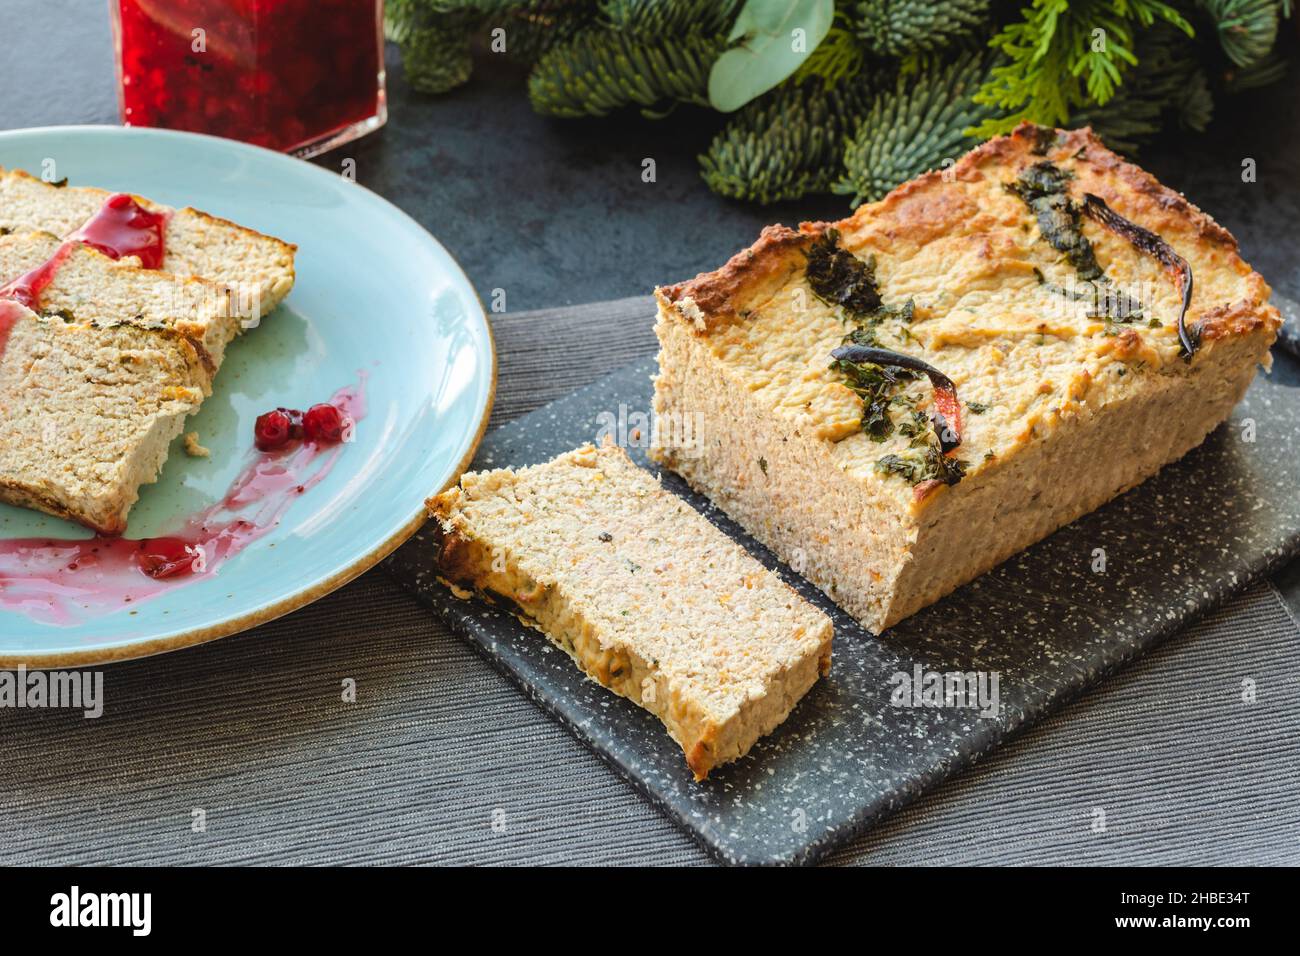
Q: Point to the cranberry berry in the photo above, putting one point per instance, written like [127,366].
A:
[168,557]
[323,423]
[272,430]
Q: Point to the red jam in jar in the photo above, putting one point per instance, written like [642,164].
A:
[301,76]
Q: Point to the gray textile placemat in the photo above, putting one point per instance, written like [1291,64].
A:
[441,760]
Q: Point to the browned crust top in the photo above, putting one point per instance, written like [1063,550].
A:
[719,295]
[289,247]
[918,213]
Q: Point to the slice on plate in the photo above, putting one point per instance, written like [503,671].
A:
[116,314]
[897,402]
[648,597]
[72,280]
[88,412]
[257,269]
[100,363]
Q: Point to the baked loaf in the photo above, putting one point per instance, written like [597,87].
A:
[257,270]
[648,598]
[1044,277]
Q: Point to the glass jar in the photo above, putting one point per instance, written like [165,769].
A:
[301,76]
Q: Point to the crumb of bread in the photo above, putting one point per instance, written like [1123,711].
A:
[193,448]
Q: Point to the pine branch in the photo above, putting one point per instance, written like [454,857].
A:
[599,71]
[838,58]
[1064,55]
[899,27]
[787,143]
[1268,70]
[915,127]
[436,36]
[651,18]
[535,27]
[1168,80]
[436,57]
[1247,28]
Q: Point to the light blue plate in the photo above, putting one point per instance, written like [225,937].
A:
[375,293]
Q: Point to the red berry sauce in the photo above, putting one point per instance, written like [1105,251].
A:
[27,288]
[64,582]
[123,227]
[279,73]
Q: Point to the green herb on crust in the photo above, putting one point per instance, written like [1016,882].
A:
[876,385]
[874,373]
[1044,187]
[839,278]
[842,280]
[919,465]
[917,428]
[947,408]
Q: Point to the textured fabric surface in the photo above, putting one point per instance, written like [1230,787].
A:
[441,760]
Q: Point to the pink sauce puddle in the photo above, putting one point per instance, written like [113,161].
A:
[57,581]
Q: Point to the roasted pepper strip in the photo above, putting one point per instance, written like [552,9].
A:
[1148,243]
[947,416]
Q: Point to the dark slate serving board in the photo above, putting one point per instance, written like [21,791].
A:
[1045,622]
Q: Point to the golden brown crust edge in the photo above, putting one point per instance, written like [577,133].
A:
[714,299]
[26,496]
[452,557]
[290,248]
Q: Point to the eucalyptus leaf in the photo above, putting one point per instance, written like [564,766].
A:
[766,52]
